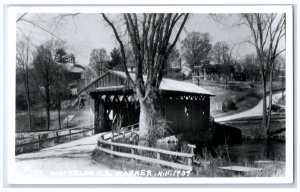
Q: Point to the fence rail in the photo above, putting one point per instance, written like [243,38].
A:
[52,136]
[52,132]
[137,151]
[122,132]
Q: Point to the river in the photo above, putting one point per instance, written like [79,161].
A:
[252,151]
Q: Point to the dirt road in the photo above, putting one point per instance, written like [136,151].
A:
[69,159]
[253,112]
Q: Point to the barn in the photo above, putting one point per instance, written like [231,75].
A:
[185,106]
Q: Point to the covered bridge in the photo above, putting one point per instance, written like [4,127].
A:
[185,106]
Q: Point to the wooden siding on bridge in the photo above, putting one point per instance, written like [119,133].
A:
[106,80]
[187,115]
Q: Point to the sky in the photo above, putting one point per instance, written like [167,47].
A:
[85,32]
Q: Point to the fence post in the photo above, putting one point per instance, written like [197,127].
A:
[39,141]
[190,162]
[57,140]
[112,135]
[158,156]
[70,136]
[124,133]
[82,130]
[132,151]
[112,148]
[192,148]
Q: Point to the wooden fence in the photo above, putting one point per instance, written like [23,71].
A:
[136,152]
[36,141]
[198,80]
[122,132]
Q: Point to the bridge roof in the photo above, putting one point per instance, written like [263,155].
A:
[172,85]
[168,85]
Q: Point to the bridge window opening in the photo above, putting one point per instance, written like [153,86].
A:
[111,115]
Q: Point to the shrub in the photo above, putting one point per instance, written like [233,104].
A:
[21,103]
[37,123]
[159,129]
[228,104]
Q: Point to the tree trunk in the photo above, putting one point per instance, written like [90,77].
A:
[270,104]
[28,104]
[59,98]
[47,108]
[58,112]
[48,116]
[264,120]
[26,82]
[29,113]
[59,121]
[42,112]
[144,120]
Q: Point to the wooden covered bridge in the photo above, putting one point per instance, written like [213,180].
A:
[185,106]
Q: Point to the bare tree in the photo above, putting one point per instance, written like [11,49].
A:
[23,54]
[44,75]
[174,60]
[250,65]
[221,53]
[99,61]
[45,70]
[267,30]
[152,38]
[196,47]
[60,83]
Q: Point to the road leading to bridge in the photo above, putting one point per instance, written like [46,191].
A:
[64,160]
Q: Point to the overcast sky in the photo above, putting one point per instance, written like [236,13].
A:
[89,31]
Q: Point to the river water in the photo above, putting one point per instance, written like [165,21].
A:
[248,151]
[252,151]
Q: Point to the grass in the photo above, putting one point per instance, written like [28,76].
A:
[222,158]
[37,123]
[273,169]
[125,164]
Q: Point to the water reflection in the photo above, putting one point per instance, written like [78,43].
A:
[248,151]
[253,150]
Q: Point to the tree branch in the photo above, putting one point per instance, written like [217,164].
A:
[21,17]
[121,46]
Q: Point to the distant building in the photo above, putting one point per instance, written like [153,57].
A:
[74,74]
[130,67]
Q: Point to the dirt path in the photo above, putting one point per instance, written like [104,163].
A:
[253,112]
[62,160]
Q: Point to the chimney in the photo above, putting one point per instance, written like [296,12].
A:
[72,59]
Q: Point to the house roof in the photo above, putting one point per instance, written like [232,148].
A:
[171,85]
[74,68]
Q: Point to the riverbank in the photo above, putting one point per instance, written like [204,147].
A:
[251,129]
[208,167]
